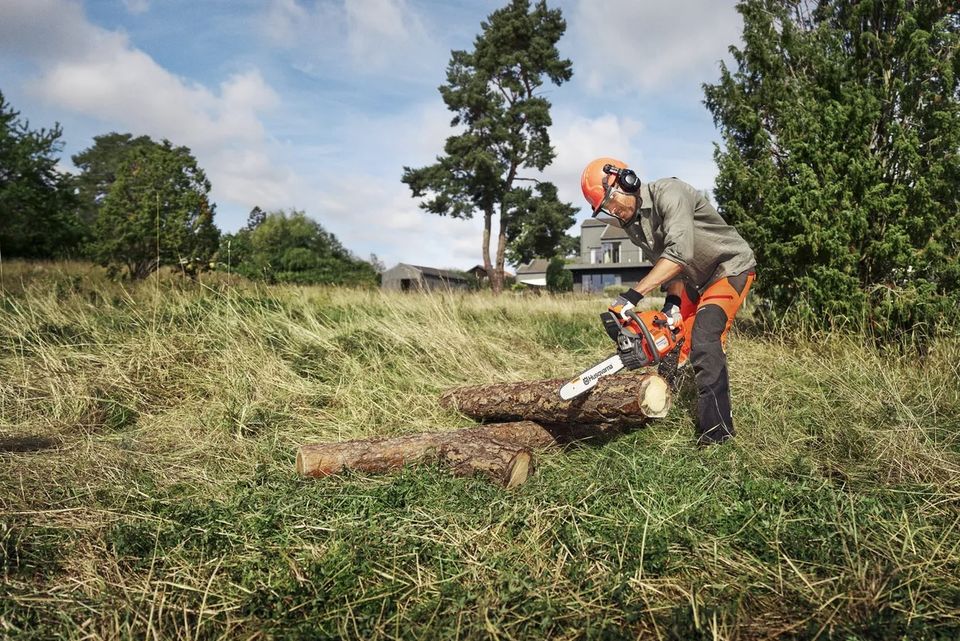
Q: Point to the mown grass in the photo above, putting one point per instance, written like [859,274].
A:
[161,500]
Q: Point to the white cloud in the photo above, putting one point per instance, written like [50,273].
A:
[578,139]
[98,73]
[376,35]
[628,45]
[137,6]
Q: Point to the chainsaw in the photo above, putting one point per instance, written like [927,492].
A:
[643,340]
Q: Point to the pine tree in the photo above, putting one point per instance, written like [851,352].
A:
[494,91]
[38,210]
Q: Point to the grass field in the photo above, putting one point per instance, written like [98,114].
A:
[159,498]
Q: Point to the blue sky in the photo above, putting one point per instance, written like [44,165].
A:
[318,104]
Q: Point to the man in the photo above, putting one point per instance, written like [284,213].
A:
[701,262]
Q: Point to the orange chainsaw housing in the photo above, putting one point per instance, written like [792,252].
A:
[663,338]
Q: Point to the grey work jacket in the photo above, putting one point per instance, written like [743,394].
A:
[678,223]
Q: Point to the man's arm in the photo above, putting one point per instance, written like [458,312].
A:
[664,270]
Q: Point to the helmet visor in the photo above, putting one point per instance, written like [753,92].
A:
[618,208]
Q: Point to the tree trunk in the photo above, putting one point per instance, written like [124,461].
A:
[468,451]
[621,400]
[496,280]
[502,229]
[501,245]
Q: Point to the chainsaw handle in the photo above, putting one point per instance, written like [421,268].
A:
[647,336]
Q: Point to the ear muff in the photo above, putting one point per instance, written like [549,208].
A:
[628,180]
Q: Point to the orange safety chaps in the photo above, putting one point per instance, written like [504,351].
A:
[707,319]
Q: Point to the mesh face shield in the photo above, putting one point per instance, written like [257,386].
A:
[618,208]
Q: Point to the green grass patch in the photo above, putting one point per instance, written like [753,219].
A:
[169,506]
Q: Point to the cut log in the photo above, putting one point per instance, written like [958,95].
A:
[467,451]
[506,464]
[622,400]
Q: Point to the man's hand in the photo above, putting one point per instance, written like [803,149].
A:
[625,302]
[671,307]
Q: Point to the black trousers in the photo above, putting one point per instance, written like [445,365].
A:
[714,419]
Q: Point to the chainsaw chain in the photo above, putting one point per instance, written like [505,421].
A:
[669,368]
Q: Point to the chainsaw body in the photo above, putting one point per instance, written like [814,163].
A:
[642,340]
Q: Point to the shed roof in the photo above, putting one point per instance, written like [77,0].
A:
[446,274]
[535,266]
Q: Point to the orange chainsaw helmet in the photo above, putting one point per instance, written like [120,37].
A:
[611,189]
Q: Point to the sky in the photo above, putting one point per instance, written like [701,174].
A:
[317,105]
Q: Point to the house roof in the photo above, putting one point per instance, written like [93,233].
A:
[535,266]
[613,233]
[479,270]
[445,274]
[592,222]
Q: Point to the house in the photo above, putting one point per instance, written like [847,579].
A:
[533,273]
[607,257]
[405,277]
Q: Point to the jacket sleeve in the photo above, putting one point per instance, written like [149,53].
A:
[676,210]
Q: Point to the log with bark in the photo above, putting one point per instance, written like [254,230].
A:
[627,399]
[499,452]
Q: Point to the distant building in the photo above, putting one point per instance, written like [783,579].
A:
[405,277]
[533,273]
[607,257]
[478,272]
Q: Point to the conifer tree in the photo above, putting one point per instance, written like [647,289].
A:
[840,161]
[156,213]
[38,209]
[494,91]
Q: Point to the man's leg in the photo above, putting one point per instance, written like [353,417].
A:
[688,312]
[715,313]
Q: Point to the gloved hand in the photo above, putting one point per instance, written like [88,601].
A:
[625,302]
[671,307]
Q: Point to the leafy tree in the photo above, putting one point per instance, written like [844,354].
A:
[559,279]
[494,91]
[38,216]
[537,229]
[99,167]
[292,248]
[156,208]
[841,157]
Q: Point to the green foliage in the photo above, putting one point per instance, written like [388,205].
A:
[559,279]
[100,165]
[38,216]
[503,118]
[841,158]
[282,248]
[156,208]
[537,225]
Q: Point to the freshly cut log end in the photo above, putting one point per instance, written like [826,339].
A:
[519,470]
[656,398]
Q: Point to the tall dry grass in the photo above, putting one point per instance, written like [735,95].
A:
[156,497]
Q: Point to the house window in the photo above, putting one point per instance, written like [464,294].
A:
[611,252]
[596,282]
[595,256]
